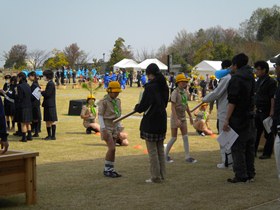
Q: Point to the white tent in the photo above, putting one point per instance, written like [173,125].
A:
[271,68]
[147,62]
[206,67]
[126,63]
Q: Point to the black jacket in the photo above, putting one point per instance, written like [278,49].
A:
[23,96]
[265,90]
[153,103]
[35,102]
[49,95]
[241,93]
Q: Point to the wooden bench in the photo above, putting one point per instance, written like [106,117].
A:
[18,174]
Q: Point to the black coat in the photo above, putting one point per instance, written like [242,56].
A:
[241,93]
[49,95]
[3,129]
[23,96]
[35,102]
[153,103]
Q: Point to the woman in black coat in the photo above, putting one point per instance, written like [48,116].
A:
[36,111]
[23,98]
[49,104]
[154,122]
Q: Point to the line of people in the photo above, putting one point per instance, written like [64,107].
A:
[22,105]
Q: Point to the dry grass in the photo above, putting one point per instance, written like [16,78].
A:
[70,170]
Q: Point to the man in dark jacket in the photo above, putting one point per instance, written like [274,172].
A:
[240,118]
[264,100]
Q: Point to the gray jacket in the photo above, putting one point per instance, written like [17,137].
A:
[220,94]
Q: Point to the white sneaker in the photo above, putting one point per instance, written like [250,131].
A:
[148,181]
[221,165]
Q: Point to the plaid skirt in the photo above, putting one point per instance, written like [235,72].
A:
[152,136]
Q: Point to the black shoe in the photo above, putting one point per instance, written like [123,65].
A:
[35,135]
[88,130]
[263,157]
[237,180]
[111,174]
[29,138]
[22,140]
[47,138]
[17,134]
[53,138]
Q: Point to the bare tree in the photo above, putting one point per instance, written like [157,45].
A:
[72,53]
[144,54]
[36,58]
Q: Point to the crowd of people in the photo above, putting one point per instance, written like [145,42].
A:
[243,103]
[21,106]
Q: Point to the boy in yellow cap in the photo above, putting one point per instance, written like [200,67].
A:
[179,106]
[88,114]
[109,109]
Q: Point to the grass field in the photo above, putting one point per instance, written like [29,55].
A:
[70,170]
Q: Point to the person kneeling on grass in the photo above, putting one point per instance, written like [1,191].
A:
[201,121]
[88,114]
[109,109]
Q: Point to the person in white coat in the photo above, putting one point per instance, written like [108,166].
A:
[219,94]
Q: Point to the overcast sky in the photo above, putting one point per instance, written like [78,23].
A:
[95,24]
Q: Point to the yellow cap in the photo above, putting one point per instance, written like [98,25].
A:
[212,77]
[194,77]
[181,78]
[90,96]
[204,104]
[114,87]
[201,78]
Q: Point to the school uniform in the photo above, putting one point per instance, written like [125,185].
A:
[86,111]
[9,105]
[3,128]
[110,109]
[23,97]
[36,111]
[49,102]
[179,98]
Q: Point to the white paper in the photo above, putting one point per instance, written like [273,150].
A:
[227,138]
[37,93]
[267,123]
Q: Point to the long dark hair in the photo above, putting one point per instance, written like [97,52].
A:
[160,80]
[22,77]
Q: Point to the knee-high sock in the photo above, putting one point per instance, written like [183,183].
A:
[169,145]
[53,130]
[186,145]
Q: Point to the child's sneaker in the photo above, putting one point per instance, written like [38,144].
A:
[202,134]
[191,160]
[169,159]
[111,174]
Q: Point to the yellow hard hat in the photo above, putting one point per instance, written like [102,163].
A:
[201,78]
[90,96]
[204,104]
[212,77]
[194,76]
[181,78]
[114,87]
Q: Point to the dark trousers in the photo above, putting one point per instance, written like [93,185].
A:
[243,152]
[269,143]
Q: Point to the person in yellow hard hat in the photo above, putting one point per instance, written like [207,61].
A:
[88,114]
[109,109]
[179,107]
[201,121]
